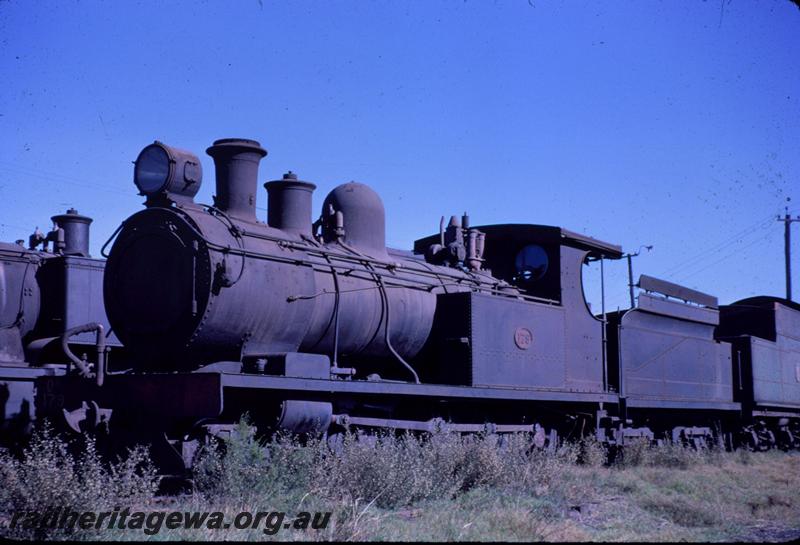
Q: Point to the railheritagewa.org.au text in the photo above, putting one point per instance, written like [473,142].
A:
[153,522]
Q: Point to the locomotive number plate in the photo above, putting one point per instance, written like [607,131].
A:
[523,338]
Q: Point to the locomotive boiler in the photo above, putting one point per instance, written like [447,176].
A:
[188,284]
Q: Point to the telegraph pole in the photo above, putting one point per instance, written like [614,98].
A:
[630,270]
[787,248]
[630,276]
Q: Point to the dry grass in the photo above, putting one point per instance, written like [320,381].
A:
[441,487]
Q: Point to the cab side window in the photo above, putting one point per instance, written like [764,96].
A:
[530,264]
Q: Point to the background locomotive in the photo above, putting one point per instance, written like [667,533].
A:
[317,326]
[51,301]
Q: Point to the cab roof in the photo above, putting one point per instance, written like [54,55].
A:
[525,233]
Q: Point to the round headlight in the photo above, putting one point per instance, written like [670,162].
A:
[167,171]
[152,170]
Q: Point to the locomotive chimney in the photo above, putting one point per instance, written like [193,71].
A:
[289,204]
[76,232]
[236,161]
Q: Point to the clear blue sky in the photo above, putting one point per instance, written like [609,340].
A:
[675,124]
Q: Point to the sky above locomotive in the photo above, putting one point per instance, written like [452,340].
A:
[671,124]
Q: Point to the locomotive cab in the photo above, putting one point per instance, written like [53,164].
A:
[538,260]
[547,338]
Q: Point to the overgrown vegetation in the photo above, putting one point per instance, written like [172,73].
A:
[50,476]
[439,487]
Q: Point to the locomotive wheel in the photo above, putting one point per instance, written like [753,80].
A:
[751,441]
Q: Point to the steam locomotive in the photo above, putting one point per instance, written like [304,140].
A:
[315,326]
[51,304]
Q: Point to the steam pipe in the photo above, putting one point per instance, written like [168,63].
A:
[385,305]
[100,343]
